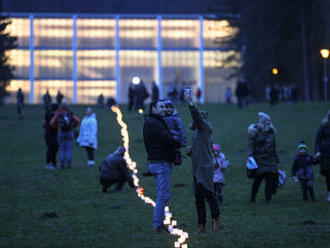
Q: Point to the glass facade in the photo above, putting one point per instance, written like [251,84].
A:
[86,55]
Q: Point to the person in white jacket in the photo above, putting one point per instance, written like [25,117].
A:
[88,135]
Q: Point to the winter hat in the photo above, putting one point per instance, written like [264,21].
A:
[216,147]
[120,150]
[168,102]
[263,117]
[301,145]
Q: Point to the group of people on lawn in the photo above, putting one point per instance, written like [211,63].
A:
[164,135]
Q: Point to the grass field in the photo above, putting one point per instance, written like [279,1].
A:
[89,218]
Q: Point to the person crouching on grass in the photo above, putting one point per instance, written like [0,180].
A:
[303,171]
[113,170]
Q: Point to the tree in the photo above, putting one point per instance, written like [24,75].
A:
[7,43]
[283,34]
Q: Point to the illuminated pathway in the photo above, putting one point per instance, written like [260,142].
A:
[182,236]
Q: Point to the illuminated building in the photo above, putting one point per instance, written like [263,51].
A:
[86,55]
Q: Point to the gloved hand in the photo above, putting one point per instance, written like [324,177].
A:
[295,179]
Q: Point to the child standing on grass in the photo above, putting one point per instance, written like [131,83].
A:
[303,171]
[221,166]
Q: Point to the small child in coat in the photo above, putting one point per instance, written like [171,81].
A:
[303,171]
[175,125]
[221,166]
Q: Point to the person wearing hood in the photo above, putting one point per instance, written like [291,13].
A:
[202,167]
[262,147]
[88,135]
[113,170]
[322,150]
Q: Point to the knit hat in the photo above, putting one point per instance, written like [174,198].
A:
[216,147]
[302,145]
[168,103]
[120,150]
[263,117]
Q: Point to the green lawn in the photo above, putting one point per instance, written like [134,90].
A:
[89,218]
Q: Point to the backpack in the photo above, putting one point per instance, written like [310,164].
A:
[65,121]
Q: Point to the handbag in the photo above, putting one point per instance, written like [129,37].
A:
[251,167]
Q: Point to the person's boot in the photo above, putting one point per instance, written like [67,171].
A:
[201,229]
[49,166]
[147,173]
[217,225]
[90,163]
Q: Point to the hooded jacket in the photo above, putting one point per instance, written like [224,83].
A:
[201,155]
[261,146]
[114,168]
[88,132]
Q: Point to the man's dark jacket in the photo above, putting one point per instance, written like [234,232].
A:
[158,140]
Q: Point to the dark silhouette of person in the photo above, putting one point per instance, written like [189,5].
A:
[20,102]
[130,97]
[47,100]
[100,101]
[59,97]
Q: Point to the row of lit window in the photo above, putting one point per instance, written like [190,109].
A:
[49,28]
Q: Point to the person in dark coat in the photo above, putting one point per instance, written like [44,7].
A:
[322,149]
[51,138]
[59,97]
[113,170]
[20,102]
[303,171]
[203,168]
[160,145]
[130,97]
[262,148]
[100,101]
[47,100]
[155,92]
[240,94]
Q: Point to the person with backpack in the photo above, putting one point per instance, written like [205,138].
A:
[65,121]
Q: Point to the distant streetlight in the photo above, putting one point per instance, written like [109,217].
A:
[325,56]
[275,71]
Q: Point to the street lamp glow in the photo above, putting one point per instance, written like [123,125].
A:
[275,71]
[136,80]
[324,53]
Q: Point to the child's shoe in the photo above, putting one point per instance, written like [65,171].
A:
[147,173]
[201,229]
[217,225]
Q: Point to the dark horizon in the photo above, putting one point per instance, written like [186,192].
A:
[110,7]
